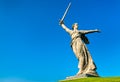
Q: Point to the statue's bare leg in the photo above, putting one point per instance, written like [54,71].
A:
[80,58]
[80,65]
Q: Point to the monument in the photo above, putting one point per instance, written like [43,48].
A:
[86,65]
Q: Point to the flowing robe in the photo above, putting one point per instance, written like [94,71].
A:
[86,64]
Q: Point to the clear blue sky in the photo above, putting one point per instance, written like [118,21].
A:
[34,48]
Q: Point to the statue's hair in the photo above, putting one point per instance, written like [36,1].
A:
[74,24]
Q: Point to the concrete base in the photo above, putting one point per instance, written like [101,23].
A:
[80,76]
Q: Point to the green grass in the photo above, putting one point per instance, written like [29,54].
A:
[94,79]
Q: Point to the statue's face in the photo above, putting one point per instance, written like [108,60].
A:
[75,26]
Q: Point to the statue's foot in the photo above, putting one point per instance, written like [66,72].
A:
[92,74]
[79,72]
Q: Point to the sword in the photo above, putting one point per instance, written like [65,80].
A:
[66,11]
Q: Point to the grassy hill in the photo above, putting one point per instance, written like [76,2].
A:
[94,79]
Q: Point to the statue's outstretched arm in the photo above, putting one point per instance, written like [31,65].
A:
[64,27]
[89,31]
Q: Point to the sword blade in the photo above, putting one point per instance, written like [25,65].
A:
[66,11]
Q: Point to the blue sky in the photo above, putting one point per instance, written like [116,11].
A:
[34,48]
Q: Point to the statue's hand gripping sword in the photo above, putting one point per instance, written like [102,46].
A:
[65,12]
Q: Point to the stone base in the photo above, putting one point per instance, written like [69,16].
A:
[81,76]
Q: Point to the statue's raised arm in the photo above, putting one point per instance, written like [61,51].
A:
[65,27]
[61,21]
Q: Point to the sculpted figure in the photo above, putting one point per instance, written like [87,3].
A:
[86,64]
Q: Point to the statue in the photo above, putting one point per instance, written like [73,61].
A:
[86,65]
[78,44]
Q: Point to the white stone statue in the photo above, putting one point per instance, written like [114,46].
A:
[86,64]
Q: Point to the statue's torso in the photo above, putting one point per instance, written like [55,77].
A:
[76,37]
[75,34]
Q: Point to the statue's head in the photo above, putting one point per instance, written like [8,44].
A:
[75,26]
